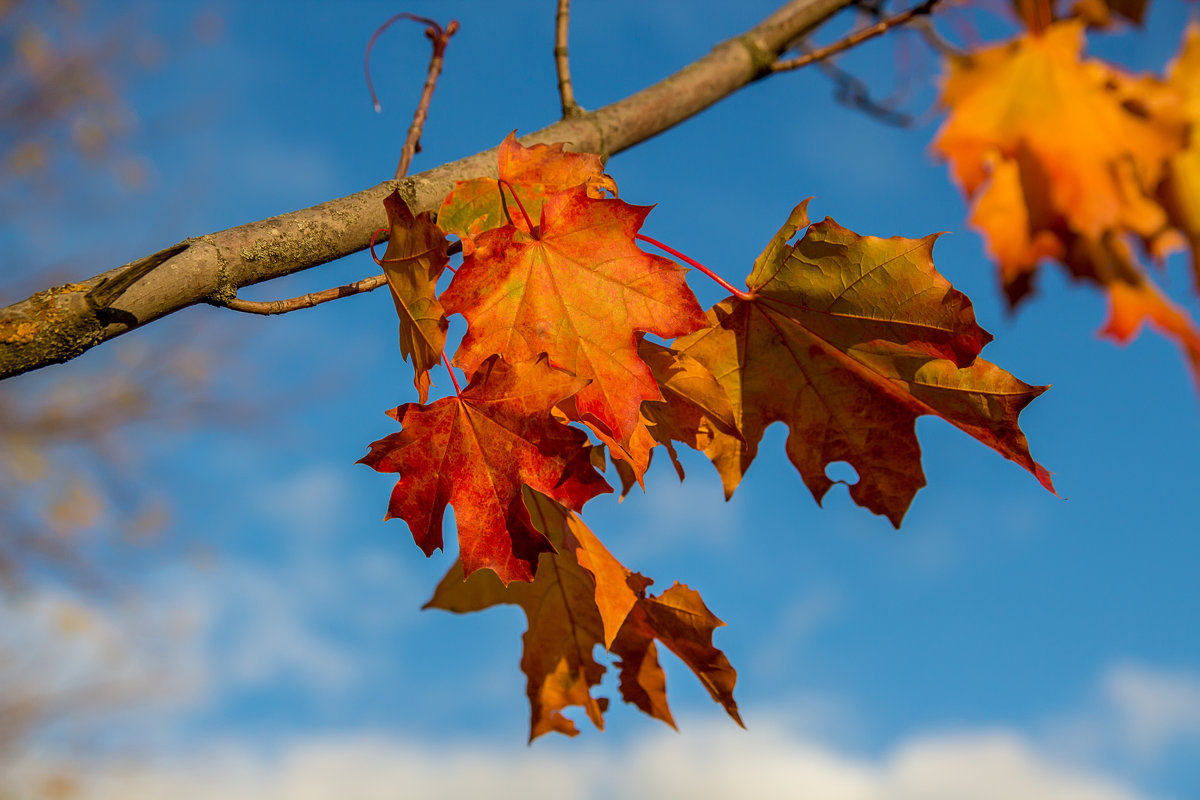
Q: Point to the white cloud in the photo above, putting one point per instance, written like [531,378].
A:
[991,766]
[1142,718]
[708,761]
[1155,709]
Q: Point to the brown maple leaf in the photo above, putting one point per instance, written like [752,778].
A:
[583,597]
[694,402]
[630,457]
[578,288]
[848,339]
[475,452]
[415,257]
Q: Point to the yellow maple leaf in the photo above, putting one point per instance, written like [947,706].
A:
[1180,191]
[1088,159]
[1069,159]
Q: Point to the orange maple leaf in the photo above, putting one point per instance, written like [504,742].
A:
[578,288]
[848,339]
[532,174]
[583,597]
[475,452]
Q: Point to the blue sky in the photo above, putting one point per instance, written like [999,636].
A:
[1003,640]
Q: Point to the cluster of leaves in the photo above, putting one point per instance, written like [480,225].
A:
[846,339]
[1076,160]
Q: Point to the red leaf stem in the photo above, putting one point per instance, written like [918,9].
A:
[520,205]
[736,292]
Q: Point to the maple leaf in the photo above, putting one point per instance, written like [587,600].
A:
[1133,303]
[415,257]
[1089,159]
[1066,159]
[475,452]
[532,173]
[693,404]
[1180,191]
[679,619]
[848,339]
[583,597]
[578,288]
[630,457]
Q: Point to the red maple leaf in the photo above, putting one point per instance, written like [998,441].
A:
[475,452]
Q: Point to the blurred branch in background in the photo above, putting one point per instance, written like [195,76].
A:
[77,505]
[71,484]
[60,102]
[67,665]
[66,464]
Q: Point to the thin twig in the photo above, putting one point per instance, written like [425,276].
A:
[305,301]
[412,145]
[853,92]
[440,37]
[371,46]
[562,24]
[937,42]
[854,39]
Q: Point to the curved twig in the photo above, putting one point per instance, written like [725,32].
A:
[938,43]
[431,25]
[440,37]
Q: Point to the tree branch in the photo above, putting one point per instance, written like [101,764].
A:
[58,324]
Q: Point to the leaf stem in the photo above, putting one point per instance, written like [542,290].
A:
[455,247]
[374,257]
[446,361]
[371,45]
[724,284]
[520,205]
[1036,14]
